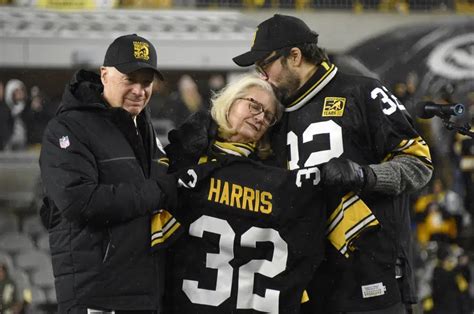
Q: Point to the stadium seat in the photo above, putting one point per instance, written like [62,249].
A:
[43,242]
[7,260]
[51,295]
[8,221]
[33,227]
[32,260]
[43,278]
[38,297]
[23,284]
[15,242]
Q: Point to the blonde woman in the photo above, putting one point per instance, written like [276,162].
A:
[252,234]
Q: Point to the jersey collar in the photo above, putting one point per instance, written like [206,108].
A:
[323,75]
[236,149]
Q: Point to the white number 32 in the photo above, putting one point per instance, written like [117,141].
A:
[246,299]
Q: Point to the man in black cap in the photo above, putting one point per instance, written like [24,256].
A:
[364,138]
[104,174]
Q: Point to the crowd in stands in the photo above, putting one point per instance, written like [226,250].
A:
[186,99]
[23,115]
[441,214]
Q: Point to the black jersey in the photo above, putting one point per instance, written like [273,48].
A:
[253,237]
[348,116]
[338,115]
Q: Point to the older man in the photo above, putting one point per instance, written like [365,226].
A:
[100,165]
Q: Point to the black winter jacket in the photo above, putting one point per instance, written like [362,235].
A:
[100,189]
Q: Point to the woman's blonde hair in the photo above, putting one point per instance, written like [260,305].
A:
[223,100]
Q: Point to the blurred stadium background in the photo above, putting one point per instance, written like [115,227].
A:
[420,49]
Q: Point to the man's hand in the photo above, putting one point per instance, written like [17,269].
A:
[348,175]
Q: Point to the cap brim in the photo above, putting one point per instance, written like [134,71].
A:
[250,57]
[132,67]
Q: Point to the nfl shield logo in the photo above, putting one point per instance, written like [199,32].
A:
[64,142]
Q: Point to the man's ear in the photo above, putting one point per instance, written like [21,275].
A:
[296,57]
[103,75]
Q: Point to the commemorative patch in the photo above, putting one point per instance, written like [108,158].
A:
[334,106]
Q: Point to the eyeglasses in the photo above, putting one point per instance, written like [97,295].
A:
[257,108]
[260,66]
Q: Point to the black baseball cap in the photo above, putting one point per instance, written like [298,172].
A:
[277,32]
[129,53]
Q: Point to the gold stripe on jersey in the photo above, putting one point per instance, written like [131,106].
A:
[163,160]
[203,160]
[326,77]
[237,149]
[305,297]
[163,226]
[348,221]
[415,147]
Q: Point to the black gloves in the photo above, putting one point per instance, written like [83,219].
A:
[348,175]
[168,184]
[191,140]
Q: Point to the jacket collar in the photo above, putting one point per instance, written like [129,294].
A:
[323,75]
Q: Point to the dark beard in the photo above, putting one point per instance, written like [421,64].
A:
[287,89]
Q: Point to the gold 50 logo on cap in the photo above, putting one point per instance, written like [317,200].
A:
[141,50]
